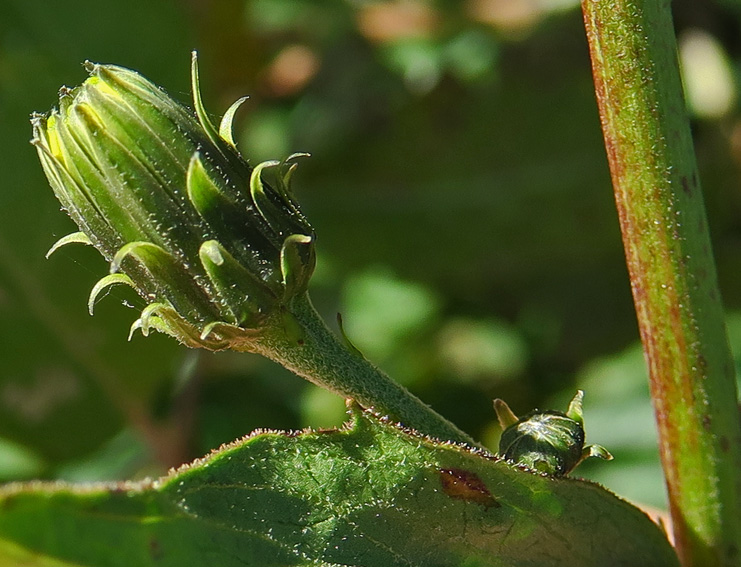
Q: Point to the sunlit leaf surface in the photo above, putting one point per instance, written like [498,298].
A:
[368,495]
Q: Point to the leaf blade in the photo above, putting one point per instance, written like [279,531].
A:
[369,495]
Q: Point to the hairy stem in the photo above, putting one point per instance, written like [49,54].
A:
[667,246]
[315,353]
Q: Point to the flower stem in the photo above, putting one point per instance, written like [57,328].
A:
[315,353]
[672,272]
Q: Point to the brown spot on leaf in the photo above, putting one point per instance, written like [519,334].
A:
[686,186]
[707,422]
[155,550]
[466,485]
[725,444]
[732,552]
[8,503]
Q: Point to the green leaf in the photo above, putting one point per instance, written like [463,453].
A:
[368,495]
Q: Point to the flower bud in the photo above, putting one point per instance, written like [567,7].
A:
[550,442]
[546,441]
[216,252]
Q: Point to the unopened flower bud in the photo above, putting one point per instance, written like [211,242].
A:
[164,195]
[550,442]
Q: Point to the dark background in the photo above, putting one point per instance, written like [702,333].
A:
[459,189]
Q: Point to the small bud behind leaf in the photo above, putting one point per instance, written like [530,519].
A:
[550,442]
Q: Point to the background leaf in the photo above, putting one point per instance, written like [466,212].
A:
[457,157]
[68,383]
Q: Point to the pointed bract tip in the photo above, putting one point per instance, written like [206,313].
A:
[505,415]
[598,451]
[136,325]
[65,91]
[211,249]
[348,343]
[297,155]
[74,238]
[105,282]
[90,67]
[208,329]
[575,410]
[226,127]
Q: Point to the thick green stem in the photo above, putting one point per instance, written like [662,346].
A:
[312,351]
[663,221]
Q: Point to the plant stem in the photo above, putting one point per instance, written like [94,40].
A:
[316,354]
[672,272]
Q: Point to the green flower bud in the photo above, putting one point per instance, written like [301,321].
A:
[545,441]
[170,203]
[550,442]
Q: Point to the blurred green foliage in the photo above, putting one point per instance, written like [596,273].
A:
[459,189]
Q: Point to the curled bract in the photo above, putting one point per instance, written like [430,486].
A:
[164,195]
